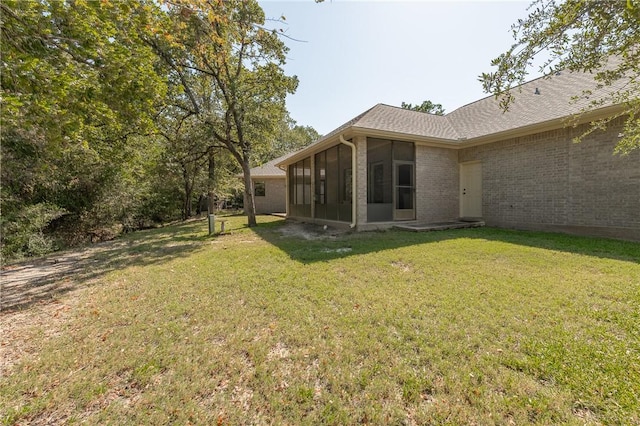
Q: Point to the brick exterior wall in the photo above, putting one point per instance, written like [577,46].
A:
[361,178]
[546,182]
[275,198]
[437,182]
[543,181]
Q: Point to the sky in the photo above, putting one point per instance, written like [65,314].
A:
[351,55]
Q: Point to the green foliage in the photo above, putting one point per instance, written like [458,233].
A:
[75,72]
[224,47]
[142,193]
[288,138]
[426,106]
[595,37]
[109,110]
[22,229]
[77,83]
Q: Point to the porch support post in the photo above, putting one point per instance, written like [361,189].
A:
[312,195]
[286,190]
[360,196]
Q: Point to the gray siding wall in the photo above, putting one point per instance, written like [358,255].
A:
[437,182]
[547,182]
[274,200]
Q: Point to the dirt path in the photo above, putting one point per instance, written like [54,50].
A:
[36,297]
[36,280]
[28,282]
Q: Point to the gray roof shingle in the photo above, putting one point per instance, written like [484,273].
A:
[399,120]
[538,101]
[269,169]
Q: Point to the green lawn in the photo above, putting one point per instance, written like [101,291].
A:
[478,326]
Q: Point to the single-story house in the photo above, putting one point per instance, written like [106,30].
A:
[517,169]
[270,187]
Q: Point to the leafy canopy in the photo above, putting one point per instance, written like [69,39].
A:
[426,106]
[599,37]
[76,84]
[225,44]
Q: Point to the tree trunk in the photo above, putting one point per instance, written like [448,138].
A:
[249,205]
[187,203]
[211,183]
[186,206]
[199,204]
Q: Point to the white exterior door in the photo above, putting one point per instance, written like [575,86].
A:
[471,190]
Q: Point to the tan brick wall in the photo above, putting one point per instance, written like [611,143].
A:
[361,178]
[274,200]
[437,184]
[547,182]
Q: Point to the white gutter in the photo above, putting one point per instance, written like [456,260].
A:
[354,189]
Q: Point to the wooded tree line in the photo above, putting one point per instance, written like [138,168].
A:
[117,115]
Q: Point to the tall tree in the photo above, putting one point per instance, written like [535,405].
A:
[187,146]
[75,84]
[426,106]
[599,37]
[289,137]
[226,43]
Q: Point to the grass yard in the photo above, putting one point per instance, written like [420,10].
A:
[263,326]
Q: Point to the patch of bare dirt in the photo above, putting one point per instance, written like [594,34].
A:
[34,280]
[37,297]
[309,231]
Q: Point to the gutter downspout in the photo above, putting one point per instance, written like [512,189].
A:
[354,188]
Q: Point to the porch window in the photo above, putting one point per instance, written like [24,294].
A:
[390,180]
[300,188]
[376,183]
[320,196]
[333,193]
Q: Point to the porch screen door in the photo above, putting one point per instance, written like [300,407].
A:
[404,190]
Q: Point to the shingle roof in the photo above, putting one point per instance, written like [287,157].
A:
[269,169]
[538,101]
[399,120]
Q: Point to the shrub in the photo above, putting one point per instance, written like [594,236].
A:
[23,230]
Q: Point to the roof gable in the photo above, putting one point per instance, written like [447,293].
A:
[388,118]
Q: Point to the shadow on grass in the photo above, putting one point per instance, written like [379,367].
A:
[311,243]
[36,280]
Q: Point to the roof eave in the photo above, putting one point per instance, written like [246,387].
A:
[419,139]
[459,143]
[364,131]
[557,123]
[282,175]
[312,149]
